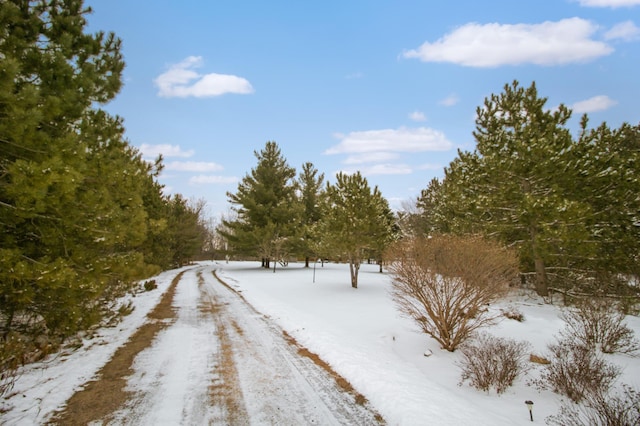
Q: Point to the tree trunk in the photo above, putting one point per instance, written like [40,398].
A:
[541,273]
[354,266]
[541,278]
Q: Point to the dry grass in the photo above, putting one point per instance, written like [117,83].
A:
[101,397]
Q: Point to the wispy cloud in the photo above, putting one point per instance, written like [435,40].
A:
[625,31]
[209,179]
[181,81]
[376,152]
[391,140]
[152,151]
[418,116]
[450,100]
[492,45]
[609,3]
[373,157]
[594,104]
[193,166]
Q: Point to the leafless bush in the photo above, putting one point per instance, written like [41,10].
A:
[596,323]
[492,362]
[445,283]
[577,371]
[621,408]
[512,312]
[12,350]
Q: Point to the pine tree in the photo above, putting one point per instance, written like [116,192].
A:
[72,217]
[310,183]
[517,185]
[355,221]
[268,211]
[608,161]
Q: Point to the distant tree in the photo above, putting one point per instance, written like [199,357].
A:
[444,283]
[186,228]
[354,221]
[268,211]
[410,218]
[384,232]
[310,182]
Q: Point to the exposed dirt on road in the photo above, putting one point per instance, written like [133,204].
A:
[230,365]
[101,397]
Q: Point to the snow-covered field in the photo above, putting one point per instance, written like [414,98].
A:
[360,333]
[357,331]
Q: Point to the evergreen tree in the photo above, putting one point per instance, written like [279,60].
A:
[186,229]
[569,207]
[63,241]
[268,211]
[77,202]
[355,221]
[310,183]
[608,161]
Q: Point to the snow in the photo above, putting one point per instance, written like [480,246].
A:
[357,331]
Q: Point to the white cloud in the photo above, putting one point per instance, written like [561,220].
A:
[152,151]
[387,169]
[209,179]
[181,81]
[193,166]
[450,100]
[418,116]
[609,3]
[626,31]
[373,157]
[391,140]
[594,104]
[491,45]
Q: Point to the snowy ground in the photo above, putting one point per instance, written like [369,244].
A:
[357,331]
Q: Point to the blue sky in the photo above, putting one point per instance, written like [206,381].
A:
[389,88]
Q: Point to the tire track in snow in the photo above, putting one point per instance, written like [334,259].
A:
[206,356]
[282,383]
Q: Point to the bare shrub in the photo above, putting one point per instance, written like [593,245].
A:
[12,352]
[621,408]
[577,371]
[493,362]
[512,312]
[445,283]
[597,324]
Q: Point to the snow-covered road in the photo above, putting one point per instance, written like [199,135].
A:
[219,361]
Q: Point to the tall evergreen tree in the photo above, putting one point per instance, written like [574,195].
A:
[311,183]
[73,217]
[608,161]
[268,211]
[569,207]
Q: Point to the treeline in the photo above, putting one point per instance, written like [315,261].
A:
[81,213]
[569,205]
[279,214]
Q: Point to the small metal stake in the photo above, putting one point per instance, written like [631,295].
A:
[530,407]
